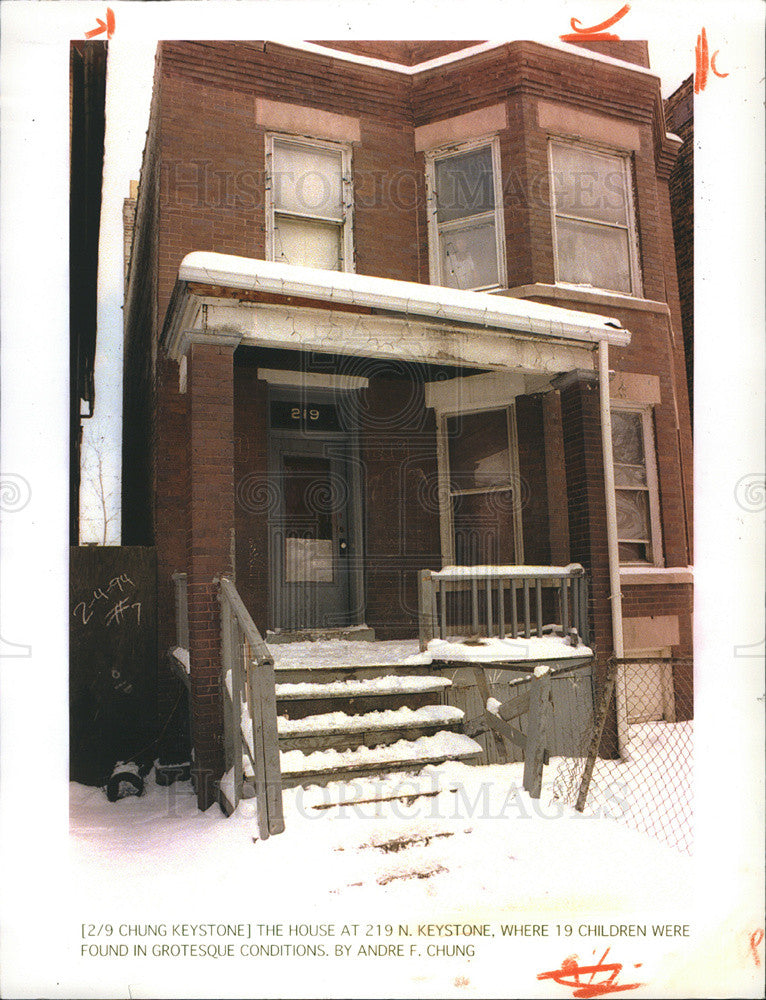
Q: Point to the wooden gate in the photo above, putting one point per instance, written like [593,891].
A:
[112,659]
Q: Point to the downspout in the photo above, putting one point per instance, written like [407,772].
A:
[615,594]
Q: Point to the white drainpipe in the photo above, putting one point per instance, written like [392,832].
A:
[612,545]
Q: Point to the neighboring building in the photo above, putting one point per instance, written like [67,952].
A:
[409,263]
[87,97]
[679,112]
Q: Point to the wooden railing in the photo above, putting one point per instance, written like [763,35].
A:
[248,682]
[503,601]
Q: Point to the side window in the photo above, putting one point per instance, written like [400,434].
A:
[484,508]
[309,204]
[636,489]
[466,235]
[593,219]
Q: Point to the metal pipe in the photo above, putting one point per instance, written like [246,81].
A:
[612,543]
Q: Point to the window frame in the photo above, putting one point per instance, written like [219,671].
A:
[346,225]
[446,493]
[626,161]
[435,229]
[646,413]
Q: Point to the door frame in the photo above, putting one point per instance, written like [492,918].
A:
[346,439]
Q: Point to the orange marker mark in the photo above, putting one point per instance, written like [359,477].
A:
[596,32]
[570,972]
[756,939]
[103,26]
[712,65]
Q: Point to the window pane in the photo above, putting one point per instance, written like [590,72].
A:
[464,185]
[629,475]
[478,450]
[589,185]
[632,516]
[469,256]
[632,552]
[628,437]
[307,180]
[593,255]
[483,525]
[310,244]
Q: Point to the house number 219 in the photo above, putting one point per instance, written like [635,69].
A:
[296,411]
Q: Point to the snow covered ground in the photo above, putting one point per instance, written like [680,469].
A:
[473,851]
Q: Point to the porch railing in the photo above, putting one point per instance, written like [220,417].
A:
[503,601]
[250,713]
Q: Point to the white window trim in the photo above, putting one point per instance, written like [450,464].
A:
[636,284]
[436,275]
[446,519]
[347,194]
[646,413]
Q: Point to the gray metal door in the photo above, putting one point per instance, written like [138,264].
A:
[311,533]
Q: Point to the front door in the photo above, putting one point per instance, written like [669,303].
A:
[313,534]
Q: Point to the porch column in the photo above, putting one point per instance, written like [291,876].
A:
[584,464]
[210,384]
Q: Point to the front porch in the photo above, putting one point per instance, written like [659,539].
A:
[349,440]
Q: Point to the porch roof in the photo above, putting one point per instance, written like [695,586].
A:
[204,307]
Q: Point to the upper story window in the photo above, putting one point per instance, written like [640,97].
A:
[636,488]
[309,203]
[466,235]
[593,219]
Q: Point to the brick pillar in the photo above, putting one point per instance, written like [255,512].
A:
[210,526]
[584,463]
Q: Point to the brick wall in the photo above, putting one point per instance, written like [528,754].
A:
[679,112]
[210,523]
[252,498]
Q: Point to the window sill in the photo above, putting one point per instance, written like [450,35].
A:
[638,575]
[594,296]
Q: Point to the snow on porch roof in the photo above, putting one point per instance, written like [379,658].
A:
[409,298]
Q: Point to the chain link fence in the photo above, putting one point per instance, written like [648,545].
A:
[648,703]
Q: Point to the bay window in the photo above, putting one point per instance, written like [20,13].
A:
[466,237]
[593,219]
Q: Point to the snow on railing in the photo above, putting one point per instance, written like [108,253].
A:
[250,712]
[498,601]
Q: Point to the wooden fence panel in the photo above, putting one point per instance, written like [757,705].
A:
[572,709]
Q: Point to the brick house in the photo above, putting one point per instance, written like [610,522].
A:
[387,305]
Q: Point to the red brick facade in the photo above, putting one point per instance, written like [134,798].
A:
[196,439]
[679,111]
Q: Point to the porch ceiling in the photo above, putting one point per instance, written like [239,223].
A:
[257,303]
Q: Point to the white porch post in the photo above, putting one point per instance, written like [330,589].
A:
[612,544]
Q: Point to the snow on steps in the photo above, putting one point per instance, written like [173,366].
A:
[322,766]
[349,710]
[320,725]
[390,684]
[342,731]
